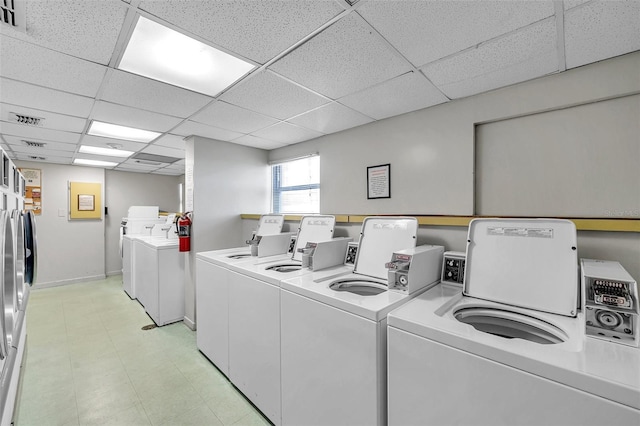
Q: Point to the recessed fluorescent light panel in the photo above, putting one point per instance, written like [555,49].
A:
[107,130]
[98,163]
[86,149]
[160,53]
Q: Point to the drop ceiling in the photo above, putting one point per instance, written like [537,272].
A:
[320,66]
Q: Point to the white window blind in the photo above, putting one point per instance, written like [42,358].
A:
[296,186]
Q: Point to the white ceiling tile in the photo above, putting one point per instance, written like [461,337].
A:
[103,143]
[86,29]
[38,133]
[257,30]
[424,31]
[331,118]
[269,94]
[44,67]
[518,57]
[287,133]
[256,142]
[52,121]
[132,117]
[344,58]
[231,117]
[601,30]
[189,128]
[140,92]
[570,4]
[16,141]
[18,93]
[171,141]
[41,152]
[163,150]
[406,93]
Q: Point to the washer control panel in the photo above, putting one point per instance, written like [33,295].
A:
[453,267]
[352,251]
[611,302]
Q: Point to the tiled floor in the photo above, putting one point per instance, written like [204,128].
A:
[89,362]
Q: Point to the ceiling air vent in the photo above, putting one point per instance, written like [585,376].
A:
[34,144]
[12,13]
[153,159]
[36,157]
[26,119]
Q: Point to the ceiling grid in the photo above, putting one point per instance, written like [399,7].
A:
[319,67]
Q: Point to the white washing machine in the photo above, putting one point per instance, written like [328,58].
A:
[143,222]
[254,318]
[510,347]
[159,276]
[212,291]
[333,333]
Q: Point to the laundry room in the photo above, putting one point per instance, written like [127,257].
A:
[374,212]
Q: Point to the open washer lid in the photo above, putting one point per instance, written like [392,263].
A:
[380,237]
[270,224]
[314,229]
[530,263]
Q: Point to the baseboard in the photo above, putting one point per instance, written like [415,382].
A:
[70,281]
[189,323]
[118,272]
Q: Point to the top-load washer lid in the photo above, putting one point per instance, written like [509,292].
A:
[270,224]
[380,237]
[313,229]
[529,263]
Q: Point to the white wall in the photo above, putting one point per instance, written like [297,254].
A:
[68,251]
[431,152]
[227,180]
[126,189]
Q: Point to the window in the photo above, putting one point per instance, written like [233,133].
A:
[296,186]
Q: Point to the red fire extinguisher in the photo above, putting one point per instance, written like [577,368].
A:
[184,231]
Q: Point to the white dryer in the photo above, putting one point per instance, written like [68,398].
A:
[9,363]
[510,348]
[254,318]
[333,333]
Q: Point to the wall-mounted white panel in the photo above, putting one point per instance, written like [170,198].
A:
[575,162]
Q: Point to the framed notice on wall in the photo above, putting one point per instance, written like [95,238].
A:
[85,200]
[32,190]
[379,181]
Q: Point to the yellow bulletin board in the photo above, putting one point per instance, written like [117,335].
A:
[85,200]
